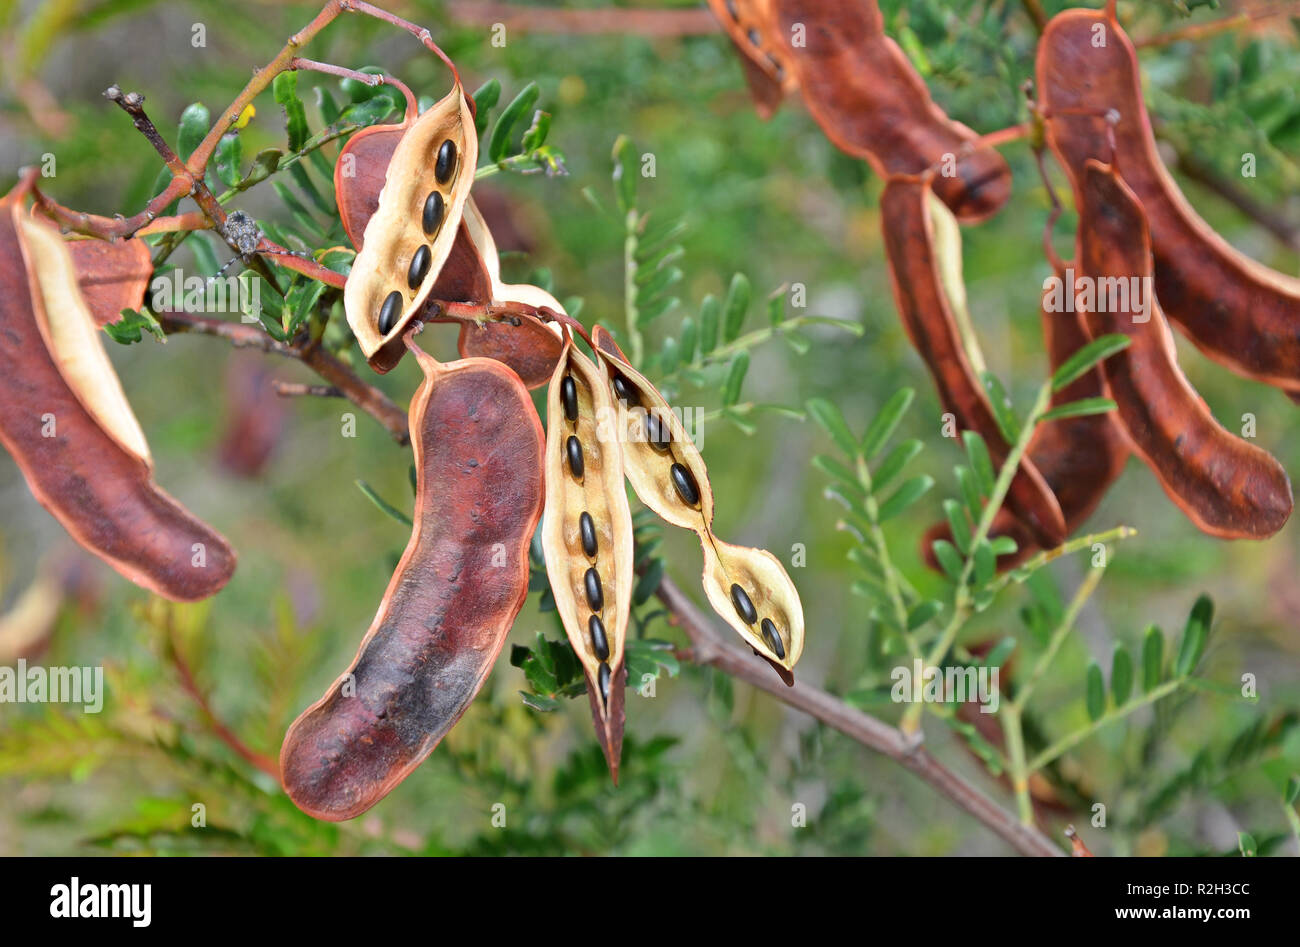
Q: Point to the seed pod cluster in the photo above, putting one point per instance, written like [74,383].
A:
[917,274]
[749,588]
[72,433]
[587,535]
[1238,312]
[411,233]
[478,448]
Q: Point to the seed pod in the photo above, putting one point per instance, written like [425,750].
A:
[478,450]
[1238,312]
[917,273]
[1079,457]
[587,585]
[748,24]
[863,91]
[395,232]
[1226,486]
[651,473]
[113,275]
[71,431]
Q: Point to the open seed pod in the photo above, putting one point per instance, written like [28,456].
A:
[587,534]
[749,588]
[70,429]
[748,24]
[411,233]
[478,449]
[113,275]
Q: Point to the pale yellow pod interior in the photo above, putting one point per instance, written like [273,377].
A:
[769,587]
[395,232]
[72,338]
[524,293]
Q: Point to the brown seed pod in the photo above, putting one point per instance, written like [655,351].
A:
[1226,486]
[1238,312]
[918,276]
[68,425]
[864,93]
[669,476]
[749,26]
[410,235]
[587,534]
[1078,457]
[113,275]
[478,448]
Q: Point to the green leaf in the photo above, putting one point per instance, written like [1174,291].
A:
[949,559]
[922,613]
[843,474]
[832,421]
[230,159]
[1195,636]
[710,313]
[285,90]
[625,174]
[648,584]
[127,330]
[512,114]
[1153,658]
[894,462]
[195,122]
[907,493]
[886,421]
[485,100]
[961,529]
[1079,409]
[998,655]
[1003,414]
[1082,361]
[985,563]
[1121,676]
[735,306]
[383,504]
[970,491]
[536,134]
[688,340]
[1096,692]
[1292,790]
[1003,545]
[539,703]
[735,378]
[776,305]
[980,462]
[1246,844]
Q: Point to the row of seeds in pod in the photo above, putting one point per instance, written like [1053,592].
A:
[659,436]
[587,532]
[431,221]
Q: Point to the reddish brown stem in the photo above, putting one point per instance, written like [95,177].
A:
[641,22]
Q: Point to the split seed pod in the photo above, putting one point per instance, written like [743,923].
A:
[70,429]
[587,535]
[410,235]
[1238,312]
[478,450]
[749,588]
[862,90]
[748,24]
[113,275]
[1226,486]
[918,276]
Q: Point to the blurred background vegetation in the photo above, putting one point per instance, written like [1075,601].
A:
[710,767]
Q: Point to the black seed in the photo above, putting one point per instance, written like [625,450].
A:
[587,530]
[433,208]
[604,682]
[446,162]
[731,10]
[389,311]
[752,36]
[596,628]
[419,266]
[595,594]
[687,489]
[772,638]
[569,395]
[574,449]
[623,388]
[744,607]
[657,434]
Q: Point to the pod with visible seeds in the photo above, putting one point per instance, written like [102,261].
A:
[675,484]
[478,448]
[69,427]
[587,538]
[748,25]
[396,246]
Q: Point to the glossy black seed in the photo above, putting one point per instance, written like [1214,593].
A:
[604,682]
[573,447]
[686,486]
[772,637]
[569,395]
[623,388]
[657,434]
[419,266]
[433,208]
[389,311]
[599,643]
[595,594]
[752,36]
[446,162]
[744,606]
[587,530]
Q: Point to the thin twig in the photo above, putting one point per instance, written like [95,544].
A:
[641,22]
[709,648]
[295,389]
